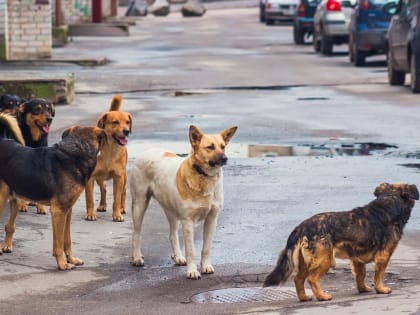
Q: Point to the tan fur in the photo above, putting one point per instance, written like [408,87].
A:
[189,190]
[112,163]
[11,121]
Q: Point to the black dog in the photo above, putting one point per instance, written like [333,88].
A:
[9,104]
[55,176]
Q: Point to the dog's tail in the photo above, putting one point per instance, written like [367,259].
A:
[287,263]
[9,128]
[116,103]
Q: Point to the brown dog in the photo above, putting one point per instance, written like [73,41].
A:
[54,176]
[362,235]
[112,163]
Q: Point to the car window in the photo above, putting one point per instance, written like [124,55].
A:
[348,3]
[379,4]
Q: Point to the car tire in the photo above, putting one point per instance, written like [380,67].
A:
[262,14]
[415,75]
[298,36]
[326,46]
[359,57]
[269,21]
[395,77]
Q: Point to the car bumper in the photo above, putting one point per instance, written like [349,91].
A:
[333,28]
[368,41]
[305,24]
[282,12]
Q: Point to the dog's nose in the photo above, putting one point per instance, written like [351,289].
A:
[126,132]
[49,120]
[223,159]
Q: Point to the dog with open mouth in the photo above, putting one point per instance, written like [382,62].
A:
[34,118]
[112,163]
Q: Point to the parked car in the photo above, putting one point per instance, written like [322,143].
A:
[262,11]
[404,44]
[278,10]
[331,24]
[303,22]
[368,27]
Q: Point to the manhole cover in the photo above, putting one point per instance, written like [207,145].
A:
[244,295]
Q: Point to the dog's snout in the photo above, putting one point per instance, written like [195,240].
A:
[126,132]
[223,159]
[49,120]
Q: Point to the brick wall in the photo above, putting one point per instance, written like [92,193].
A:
[75,11]
[29,30]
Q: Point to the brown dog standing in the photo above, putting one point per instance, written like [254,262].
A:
[112,163]
[363,235]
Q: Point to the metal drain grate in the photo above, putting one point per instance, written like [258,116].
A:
[244,295]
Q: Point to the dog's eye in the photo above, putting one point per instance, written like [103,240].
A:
[115,123]
[222,146]
[210,147]
[37,110]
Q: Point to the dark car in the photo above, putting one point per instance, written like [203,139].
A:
[368,28]
[404,44]
[303,22]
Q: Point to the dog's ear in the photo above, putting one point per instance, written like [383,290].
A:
[195,136]
[100,135]
[410,191]
[101,121]
[21,108]
[52,110]
[131,122]
[381,189]
[66,132]
[228,134]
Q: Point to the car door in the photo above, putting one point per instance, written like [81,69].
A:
[398,35]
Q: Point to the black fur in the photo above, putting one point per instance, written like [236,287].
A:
[10,103]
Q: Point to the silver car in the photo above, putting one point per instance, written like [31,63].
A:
[279,10]
[331,24]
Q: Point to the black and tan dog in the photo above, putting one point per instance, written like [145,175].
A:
[54,176]
[112,163]
[363,235]
[9,104]
[35,118]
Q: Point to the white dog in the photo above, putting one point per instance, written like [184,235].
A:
[188,189]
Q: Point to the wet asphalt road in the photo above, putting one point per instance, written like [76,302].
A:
[227,69]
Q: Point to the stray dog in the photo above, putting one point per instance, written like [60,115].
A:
[35,118]
[54,176]
[363,235]
[189,190]
[9,104]
[112,163]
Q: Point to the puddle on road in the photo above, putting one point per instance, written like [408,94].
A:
[329,148]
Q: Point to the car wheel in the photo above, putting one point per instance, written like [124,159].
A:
[395,77]
[316,44]
[326,46]
[262,14]
[269,21]
[298,36]
[415,75]
[359,57]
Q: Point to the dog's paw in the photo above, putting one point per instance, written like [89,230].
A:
[324,297]
[6,248]
[118,218]
[305,298]
[383,290]
[365,289]
[101,209]
[179,260]
[138,261]
[40,209]
[90,217]
[23,209]
[193,275]
[66,266]
[75,261]
[208,269]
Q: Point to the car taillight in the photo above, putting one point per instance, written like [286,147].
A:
[364,5]
[333,5]
[301,10]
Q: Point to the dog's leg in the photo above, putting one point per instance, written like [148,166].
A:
[359,270]
[314,278]
[90,210]
[59,217]
[4,194]
[381,262]
[140,201]
[116,206]
[300,278]
[67,242]
[208,232]
[177,256]
[102,188]
[123,194]
[10,227]
[188,231]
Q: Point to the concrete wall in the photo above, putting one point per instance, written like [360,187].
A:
[29,34]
